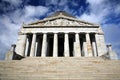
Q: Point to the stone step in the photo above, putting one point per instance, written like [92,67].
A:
[33,68]
[47,76]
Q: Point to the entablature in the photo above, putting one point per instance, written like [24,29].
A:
[38,26]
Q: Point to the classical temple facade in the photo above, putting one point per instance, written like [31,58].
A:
[60,35]
[60,47]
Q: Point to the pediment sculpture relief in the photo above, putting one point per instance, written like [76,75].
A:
[64,22]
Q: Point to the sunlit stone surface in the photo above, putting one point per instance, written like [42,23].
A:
[60,47]
[61,35]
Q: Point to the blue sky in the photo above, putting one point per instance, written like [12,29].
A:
[14,12]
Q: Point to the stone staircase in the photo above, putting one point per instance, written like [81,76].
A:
[36,68]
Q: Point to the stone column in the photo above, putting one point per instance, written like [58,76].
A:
[89,48]
[98,43]
[44,45]
[66,45]
[77,47]
[32,51]
[23,43]
[26,49]
[55,45]
[84,48]
[36,48]
[94,48]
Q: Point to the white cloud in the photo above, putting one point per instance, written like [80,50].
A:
[98,11]
[56,2]
[91,18]
[117,10]
[53,2]
[8,34]
[10,24]
[35,11]
[101,12]
[27,14]
[95,2]
[10,5]
[9,29]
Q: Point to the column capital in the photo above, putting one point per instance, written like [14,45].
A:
[55,32]
[92,32]
[44,32]
[87,33]
[66,32]
[20,33]
[77,32]
[34,33]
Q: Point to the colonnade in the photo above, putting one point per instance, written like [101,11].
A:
[60,45]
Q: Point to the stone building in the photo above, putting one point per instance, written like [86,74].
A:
[60,47]
[61,35]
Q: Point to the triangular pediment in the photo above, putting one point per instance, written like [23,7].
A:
[61,19]
[62,22]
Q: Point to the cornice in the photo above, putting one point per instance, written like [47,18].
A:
[42,26]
